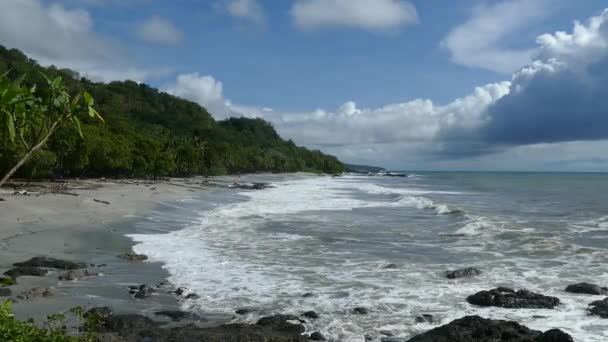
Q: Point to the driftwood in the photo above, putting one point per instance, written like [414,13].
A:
[100,201]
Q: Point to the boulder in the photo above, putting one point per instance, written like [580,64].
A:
[244,311]
[317,336]
[77,274]
[508,298]
[5,292]
[462,273]
[310,314]
[308,295]
[144,291]
[391,266]
[193,296]
[177,315]
[284,323]
[133,257]
[47,262]
[36,292]
[425,318]
[360,311]
[26,271]
[478,329]
[587,288]
[599,308]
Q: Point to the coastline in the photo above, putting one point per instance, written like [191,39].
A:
[81,229]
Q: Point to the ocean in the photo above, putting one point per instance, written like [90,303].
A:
[333,236]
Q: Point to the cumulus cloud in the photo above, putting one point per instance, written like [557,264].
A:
[54,34]
[552,111]
[370,15]
[478,42]
[159,30]
[249,10]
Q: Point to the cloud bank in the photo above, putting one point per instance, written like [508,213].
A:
[159,30]
[559,98]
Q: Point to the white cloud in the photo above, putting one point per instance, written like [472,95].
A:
[249,10]
[54,34]
[365,14]
[477,43]
[159,30]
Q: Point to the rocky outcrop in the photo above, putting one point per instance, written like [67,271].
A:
[508,298]
[425,318]
[141,328]
[177,315]
[477,329]
[587,288]
[141,291]
[599,308]
[311,315]
[47,262]
[462,273]
[36,292]
[317,336]
[26,271]
[77,274]
[133,257]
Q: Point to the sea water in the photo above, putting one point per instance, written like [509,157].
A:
[333,237]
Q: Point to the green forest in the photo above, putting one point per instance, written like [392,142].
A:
[147,133]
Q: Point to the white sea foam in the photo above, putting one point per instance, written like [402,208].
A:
[235,256]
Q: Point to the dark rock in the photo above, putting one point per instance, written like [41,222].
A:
[311,314]
[425,318]
[101,312]
[5,292]
[180,291]
[587,288]
[360,310]
[252,186]
[133,257]
[193,296]
[177,315]
[391,266]
[317,336]
[2,199]
[511,299]
[51,263]
[555,335]
[26,271]
[144,291]
[244,311]
[386,333]
[77,274]
[36,292]
[462,273]
[392,339]
[285,323]
[599,308]
[308,295]
[477,329]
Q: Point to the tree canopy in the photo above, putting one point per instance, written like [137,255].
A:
[148,133]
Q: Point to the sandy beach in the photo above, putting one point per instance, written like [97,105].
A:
[86,222]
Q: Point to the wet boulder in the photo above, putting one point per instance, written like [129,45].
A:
[587,288]
[508,298]
[317,336]
[77,274]
[37,292]
[26,271]
[311,315]
[425,318]
[462,273]
[360,310]
[478,329]
[47,262]
[177,315]
[391,266]
[285,323]
[143,291]
[133,257]
[599,308]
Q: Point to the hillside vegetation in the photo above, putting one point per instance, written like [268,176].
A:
[148,133]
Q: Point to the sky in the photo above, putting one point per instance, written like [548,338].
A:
[511,85]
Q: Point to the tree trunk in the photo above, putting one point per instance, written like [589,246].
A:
[27,156]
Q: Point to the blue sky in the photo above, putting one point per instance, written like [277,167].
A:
[388,82]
